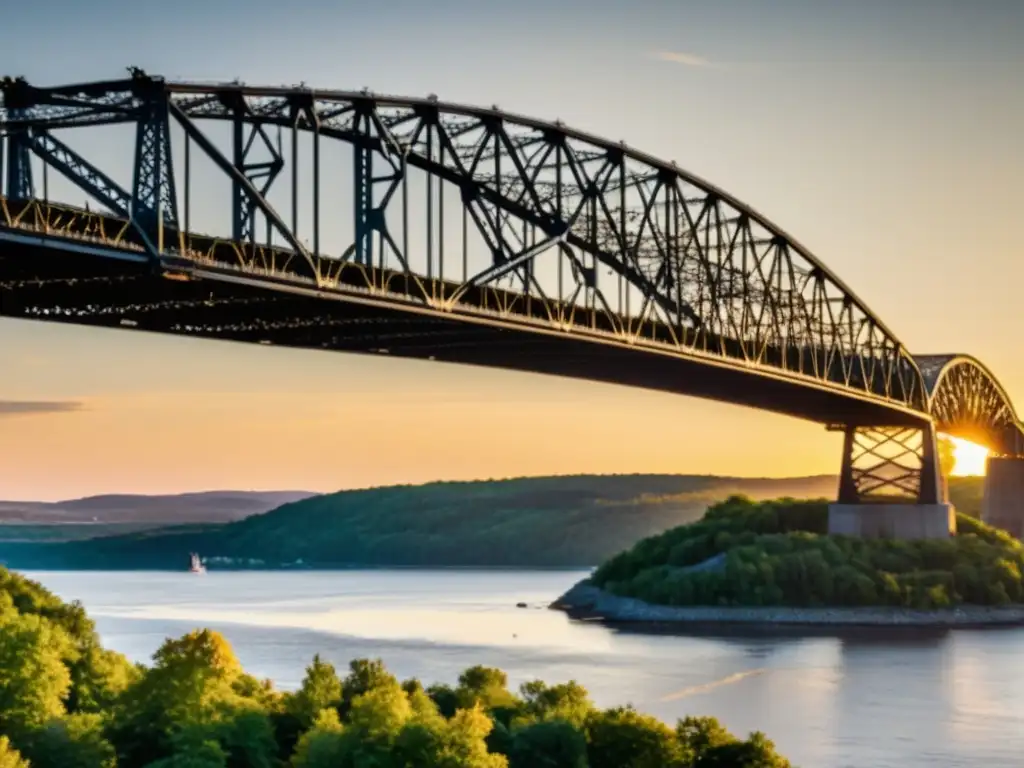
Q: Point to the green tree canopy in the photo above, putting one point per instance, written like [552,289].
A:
[9,756]
[76,741]
[567,701]
[549,744]
[485,686]
[624,738]
[320,689]
[34,681]
[323,745]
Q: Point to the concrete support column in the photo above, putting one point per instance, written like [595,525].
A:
[1003,503]
[890,485]
[892,521]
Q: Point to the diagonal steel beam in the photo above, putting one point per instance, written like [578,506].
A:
[498,270]
[80,172]
[243,182]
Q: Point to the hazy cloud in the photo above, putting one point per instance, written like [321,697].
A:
[24,407]
[679,57]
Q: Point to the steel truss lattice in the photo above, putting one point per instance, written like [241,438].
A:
[471,213]
[891,464]
[966,400]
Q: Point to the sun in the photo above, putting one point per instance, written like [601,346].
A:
[970,457]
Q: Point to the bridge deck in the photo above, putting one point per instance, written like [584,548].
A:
[60,285]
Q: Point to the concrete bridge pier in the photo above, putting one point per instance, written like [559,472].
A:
[1003,502]
[891,486]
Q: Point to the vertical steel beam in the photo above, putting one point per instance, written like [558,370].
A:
[931,476]
[238,196]
[19,182]
[430,205]
[295,173]
[847,484]
[362,179]
[248,138]
[154,199]
[316,189]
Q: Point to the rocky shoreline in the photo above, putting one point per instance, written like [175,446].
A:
[585,601]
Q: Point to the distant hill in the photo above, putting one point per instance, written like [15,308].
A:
[113,514]
[548,521]
[531,522]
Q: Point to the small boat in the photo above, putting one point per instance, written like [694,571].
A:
[195,564]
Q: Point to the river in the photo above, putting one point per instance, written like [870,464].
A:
[851,699]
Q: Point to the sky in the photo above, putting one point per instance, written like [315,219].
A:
[884,135]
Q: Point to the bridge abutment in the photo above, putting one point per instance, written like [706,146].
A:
[1003,502]
[890,486]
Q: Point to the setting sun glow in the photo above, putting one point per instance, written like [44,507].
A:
[970,457]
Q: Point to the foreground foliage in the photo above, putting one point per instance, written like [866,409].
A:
[67,703]
[776,553]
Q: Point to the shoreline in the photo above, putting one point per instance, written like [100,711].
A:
[585,601]
[328,568]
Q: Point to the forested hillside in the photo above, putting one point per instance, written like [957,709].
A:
[532,522]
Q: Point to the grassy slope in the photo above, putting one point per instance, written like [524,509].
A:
[555,521]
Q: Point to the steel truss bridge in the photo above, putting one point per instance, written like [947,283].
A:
[357,222]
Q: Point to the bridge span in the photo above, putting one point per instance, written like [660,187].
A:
[366,223]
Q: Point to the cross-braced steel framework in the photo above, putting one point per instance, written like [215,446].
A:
[890,464]
[360,222]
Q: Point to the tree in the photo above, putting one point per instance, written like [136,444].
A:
[568,701]
[247,737]
[623,738]
[465,744]
[98,678]
[380,713]
[486,686]
[445,697]
[323,745]
[364,675]
[9,756]
[548,744]
[190,749]
[698,735]
[320,689]
[756,752]
[34,680]
[76,741]
[190,686]
[456,743]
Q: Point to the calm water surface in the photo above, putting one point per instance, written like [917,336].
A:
[876,699]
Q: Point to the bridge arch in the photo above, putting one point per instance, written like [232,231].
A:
[696,272]
[966,400]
